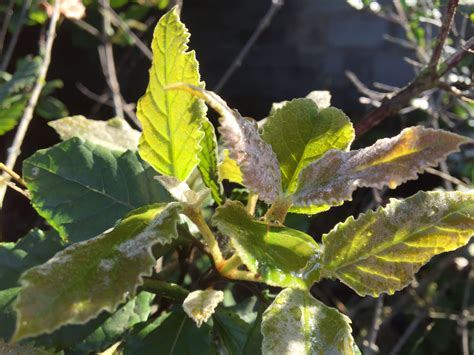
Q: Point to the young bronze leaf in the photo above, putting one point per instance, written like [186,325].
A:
[256,159]
[297,323]
[382,250]
[300,133]
[115,134]
[171,120]
[96,275]
[280,256]
[208,162]
[389,162]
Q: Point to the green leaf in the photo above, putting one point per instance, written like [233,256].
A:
[257,161]
[380,251]
[115,134]
[253,345]
[174,334]
[33,249]
[279,255]
[300,133]
[11,110]
[208,162]
[171,120]
[229,170]
[135,311]
[199,305]
[231,331]
[297,323]
[389,162]
[51,108]
[17,349]
[96,275]
[82,189]
[7,314]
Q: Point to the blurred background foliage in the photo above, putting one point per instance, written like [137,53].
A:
[362,51]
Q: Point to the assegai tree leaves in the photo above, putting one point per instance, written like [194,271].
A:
[389,162]
[96,275]
[297,323]
[82,189]
[171,120]
[280,256]
[380,251]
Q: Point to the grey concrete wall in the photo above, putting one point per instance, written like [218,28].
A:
[308,46]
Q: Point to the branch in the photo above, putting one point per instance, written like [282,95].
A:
[263,24]
[16,33]
[6,22]
[14,150]
[426,80]
[443,33]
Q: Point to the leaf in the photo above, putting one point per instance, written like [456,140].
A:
[171,120]
[33,249]
[7,314]
[115,134]
[200,305]
[297,323]
[135,311]
[390,161]
[182,192]
[208,162]
[229,170]
[321,98]
[51,108]
[380,251]
[96,275]
[11,110]
[253,345]
[82,189]
[174,334]
[17,349]
[255,158]
[279,255]
[231,331]
[23,79]
[300,133]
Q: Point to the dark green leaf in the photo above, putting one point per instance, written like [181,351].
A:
[231,330]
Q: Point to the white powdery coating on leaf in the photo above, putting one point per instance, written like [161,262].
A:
[181,191]
[200,305]
[322,99]
[389,162]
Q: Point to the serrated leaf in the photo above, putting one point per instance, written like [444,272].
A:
[182,192]
[229,170]
[115,134]
[201,304]
[380,251]
[389,162]
[174,334]
[208,162]
[135,311]
[33,249]
[171,120]
[96,275]
[300,133]
[255,158]
[279,255]
[231,331]
[82,189]
[297,323]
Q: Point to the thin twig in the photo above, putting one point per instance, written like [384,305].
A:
[6,22]
[15,149]
[371,346]
[443,33]
[106,56]
[446,177]
[263,24]
[465,314]
[12,174]
[408,332]
[4,181]
[16,33]
[87,27]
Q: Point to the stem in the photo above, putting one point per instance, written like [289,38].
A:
[243,276]
[278,210]
[230,264]
[165,289]
[195,215]
[14,150]
[6,22]
[252,203]
[13,175]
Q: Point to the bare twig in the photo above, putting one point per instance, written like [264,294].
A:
[446,177]
[6,22]
[263,24]
[371,346]
[87,27]
[12,174]
[4,182]
[14,150]
[408,332]
[465,314]
[16,33]
[106,56]
[443,33]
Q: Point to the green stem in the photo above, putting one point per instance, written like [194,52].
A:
[252,203]
[230,264]
[165,289]
[195,215]
[278,210]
